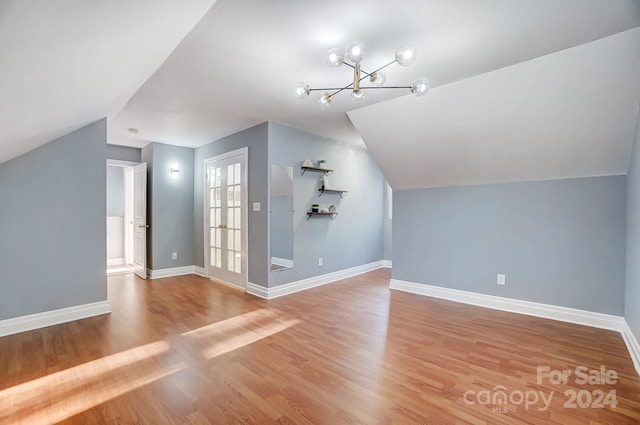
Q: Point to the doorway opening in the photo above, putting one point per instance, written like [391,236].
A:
[120,217]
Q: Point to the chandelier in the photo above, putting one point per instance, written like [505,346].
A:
[354,53]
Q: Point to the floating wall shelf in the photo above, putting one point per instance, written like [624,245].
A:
[330,214]
[326,171]
[324,190]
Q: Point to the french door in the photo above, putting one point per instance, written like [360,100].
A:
[226,218]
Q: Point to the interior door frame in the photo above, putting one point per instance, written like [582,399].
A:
[243,153]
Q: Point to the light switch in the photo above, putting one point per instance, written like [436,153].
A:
[256,206]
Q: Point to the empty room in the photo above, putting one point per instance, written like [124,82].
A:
[285,212]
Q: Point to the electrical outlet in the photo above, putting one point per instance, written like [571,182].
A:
[502,280]
[320,262]
[174,255]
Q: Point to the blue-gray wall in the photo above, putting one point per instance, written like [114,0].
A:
[355,237]
[255,138]
[170,206]
[115,190]
[123,153]
[559,242]
[53,225]
[632,288]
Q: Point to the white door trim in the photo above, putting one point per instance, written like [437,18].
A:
[243,153]
[118,163]
[127,171]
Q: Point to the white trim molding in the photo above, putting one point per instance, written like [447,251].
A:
[176,271]
[387,264]
[547,311]
[632,345]
[199,271]
[115,261]
[53,317]
[312,282]
[258,290]
[170,272]
[120,163]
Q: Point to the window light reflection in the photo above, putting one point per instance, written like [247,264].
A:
[228,335]
[61,395]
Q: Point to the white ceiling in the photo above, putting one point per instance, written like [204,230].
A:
[568,114]
[67,63]
[239,64]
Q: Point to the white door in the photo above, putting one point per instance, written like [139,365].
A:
[140,220]
[225,218]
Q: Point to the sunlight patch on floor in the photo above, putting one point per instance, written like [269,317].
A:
[61,395]
[228,335]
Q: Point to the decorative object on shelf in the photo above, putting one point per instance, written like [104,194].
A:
[315,208]
[332,208]
[355,51]
[307,163]
[325,182]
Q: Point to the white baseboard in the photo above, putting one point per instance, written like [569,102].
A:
[53,317]
[387,264]
[115,261]
[199,271]
[547,311]
[632,345]
[257,290]
[282,262]
[312,282]
[173,271]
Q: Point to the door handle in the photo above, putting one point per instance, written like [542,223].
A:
[145,226]
[222,226]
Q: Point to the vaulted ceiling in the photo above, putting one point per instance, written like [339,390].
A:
[522,89]
[67,63]
[568,114]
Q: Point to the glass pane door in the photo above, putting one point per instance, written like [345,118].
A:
[226,212]
[215,217]
[234,222]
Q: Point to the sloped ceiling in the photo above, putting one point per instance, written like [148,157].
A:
[240,64]
[188,73]
[567,114]
[67,63]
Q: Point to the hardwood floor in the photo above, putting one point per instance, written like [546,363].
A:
[187,351]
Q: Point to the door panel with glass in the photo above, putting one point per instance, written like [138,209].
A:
[226,220]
